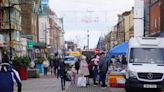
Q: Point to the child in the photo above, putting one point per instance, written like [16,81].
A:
[73,72]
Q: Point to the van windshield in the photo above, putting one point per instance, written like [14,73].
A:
[147,55]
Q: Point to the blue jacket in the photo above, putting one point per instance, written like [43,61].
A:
[7,77]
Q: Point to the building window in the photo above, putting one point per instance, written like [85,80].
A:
[155,23]
[152,26]
[159,22]
[153,1]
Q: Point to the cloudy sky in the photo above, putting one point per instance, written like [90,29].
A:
[97,16]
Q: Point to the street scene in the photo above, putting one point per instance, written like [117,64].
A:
[81,46]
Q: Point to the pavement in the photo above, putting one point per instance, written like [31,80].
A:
[51,84]
[91,88]
[43,84]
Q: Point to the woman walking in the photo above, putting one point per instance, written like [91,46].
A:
[95,69]
[84,68]
[46,65]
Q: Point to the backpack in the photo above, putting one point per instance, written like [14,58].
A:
[6,79]
[103,64]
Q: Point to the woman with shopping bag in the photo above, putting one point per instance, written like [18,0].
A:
[46,65]
[84,72]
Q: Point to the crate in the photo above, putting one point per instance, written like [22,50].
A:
[33,73]
[116,81]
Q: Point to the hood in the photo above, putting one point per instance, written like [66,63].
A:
[154,68]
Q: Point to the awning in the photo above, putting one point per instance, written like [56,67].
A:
[40,45]
[120,49]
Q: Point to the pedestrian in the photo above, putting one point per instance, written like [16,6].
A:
[112,63]
[77,65]
[95,69]
[46,65]
[103,68]
[73,73]
[51,63]
[8,75]
[90,67]
[56,65]
[84,68]
[62,72]
[124,62]
[118,64]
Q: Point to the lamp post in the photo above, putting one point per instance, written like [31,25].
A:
[10,35]
[88,38]
[10,43]
[10,30]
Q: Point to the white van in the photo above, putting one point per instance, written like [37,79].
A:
[145,63]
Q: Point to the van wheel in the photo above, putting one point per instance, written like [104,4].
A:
[127,89]
[160,90]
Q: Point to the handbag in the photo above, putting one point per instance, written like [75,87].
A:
[46,63]
[67,77]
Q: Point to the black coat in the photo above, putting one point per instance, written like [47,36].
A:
[62,69]
[56,62]
[77,65]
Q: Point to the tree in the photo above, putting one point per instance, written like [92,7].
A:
[78,39]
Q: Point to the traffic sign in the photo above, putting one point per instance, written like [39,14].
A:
[10,44]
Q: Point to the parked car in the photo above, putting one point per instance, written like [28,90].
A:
[70,60]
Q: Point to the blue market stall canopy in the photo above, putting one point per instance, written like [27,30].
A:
[120,49]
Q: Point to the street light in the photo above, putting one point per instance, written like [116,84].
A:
[10,39]
[88,38]
[10,5]
[10,30]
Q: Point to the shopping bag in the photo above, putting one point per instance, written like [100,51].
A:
[81,81]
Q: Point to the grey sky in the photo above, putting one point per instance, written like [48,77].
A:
[97,16]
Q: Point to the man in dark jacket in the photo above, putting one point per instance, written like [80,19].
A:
[103,68]
[77,65]
[7,76]
[56,65]
[62,72]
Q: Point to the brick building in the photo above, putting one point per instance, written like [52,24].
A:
[29,20]
[156,18]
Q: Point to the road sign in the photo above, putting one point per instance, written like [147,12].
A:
[30,44]
[10,44]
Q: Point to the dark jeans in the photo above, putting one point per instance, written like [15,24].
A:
[62,82]
[56,71]
[45,70]
[95,73]
[103,78]
[77,71]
